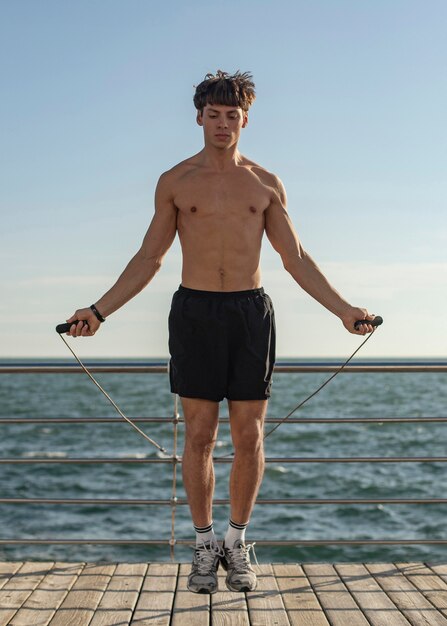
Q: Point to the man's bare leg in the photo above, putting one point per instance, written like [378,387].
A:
[247,432]
[201,425]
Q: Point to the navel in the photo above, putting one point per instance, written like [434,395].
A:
[252,209]
[193,209]
[222,277]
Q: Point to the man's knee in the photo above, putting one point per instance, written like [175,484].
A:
[201,440]
[247,424]
[248,438]
[201,424]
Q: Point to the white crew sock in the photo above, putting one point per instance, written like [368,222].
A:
[235,532]
[205,534]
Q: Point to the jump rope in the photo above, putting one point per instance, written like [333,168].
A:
[63,328]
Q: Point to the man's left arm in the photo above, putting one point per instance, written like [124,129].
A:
[300,265]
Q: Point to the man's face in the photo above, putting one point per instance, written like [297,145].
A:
[222,124]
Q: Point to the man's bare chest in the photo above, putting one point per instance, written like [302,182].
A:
[226,195]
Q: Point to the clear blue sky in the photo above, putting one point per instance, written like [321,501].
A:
[350,113]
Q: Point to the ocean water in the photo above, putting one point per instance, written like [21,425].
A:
[356,395]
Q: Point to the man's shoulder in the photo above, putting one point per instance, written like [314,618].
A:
[179,170]
[264,175]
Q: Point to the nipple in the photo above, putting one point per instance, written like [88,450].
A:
[193,209]
[252,209]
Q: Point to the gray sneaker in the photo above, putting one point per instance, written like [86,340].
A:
[236,562]
[203,576]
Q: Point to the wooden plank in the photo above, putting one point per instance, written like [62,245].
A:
[156,599]
[440,569]
[119,599]
[74,594]
[228,608]
[374,603]
[427,582]
[7,570]
[338,604]
[42,604]
[17,589]
[265,605]
[300,601]
[190,609]
[80,603]
[411,602]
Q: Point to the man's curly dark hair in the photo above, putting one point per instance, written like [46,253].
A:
[237,90]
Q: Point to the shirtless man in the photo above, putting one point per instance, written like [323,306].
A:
[221,324]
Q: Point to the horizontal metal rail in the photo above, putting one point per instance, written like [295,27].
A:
[189,542]
[224,420]
[280,367]
[220,501]
[173,502]
[229,459]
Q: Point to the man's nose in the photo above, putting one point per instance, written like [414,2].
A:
[223,123]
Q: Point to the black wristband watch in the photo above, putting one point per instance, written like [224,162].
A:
[98,315]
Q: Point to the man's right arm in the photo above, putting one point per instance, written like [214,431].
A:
[302,267]
[142,267]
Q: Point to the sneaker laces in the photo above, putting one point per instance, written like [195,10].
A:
[205,556]
[240,556]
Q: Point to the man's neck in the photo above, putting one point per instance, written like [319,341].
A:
[218,159]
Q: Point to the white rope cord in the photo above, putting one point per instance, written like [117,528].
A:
[321,386]
[154,443]
[115,406]
[314,393]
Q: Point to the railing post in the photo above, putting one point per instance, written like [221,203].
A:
[175,422]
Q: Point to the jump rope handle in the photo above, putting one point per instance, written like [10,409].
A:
[375,322]
[64,328]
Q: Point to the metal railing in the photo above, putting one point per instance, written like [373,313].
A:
[161,367]
[175,459]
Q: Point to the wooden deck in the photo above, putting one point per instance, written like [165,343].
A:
[154,594]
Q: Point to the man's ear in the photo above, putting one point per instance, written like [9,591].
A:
[199,118]
[245,120]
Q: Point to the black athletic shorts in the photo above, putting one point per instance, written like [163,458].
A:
[222,344]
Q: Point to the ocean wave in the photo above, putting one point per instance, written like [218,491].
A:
[49,454]
[132,455]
